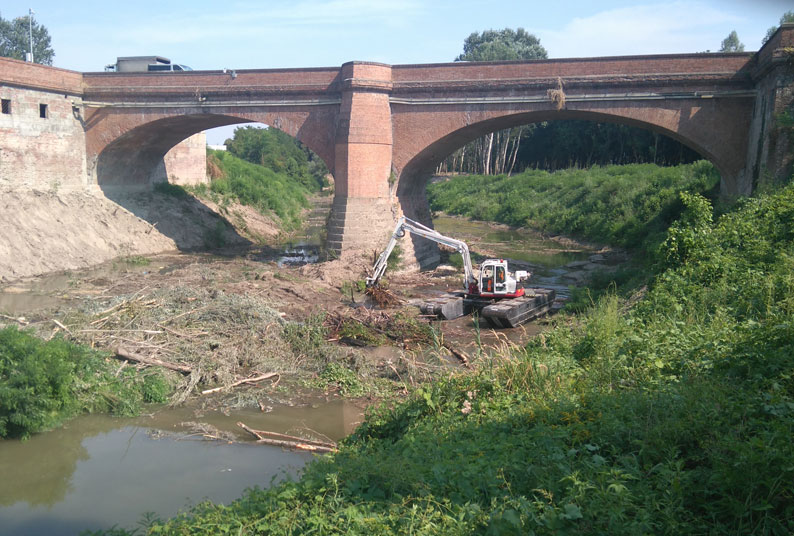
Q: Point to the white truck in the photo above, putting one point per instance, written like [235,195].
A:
[140,64]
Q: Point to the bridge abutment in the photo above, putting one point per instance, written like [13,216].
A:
[770,159]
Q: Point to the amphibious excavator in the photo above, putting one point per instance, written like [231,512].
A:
[495,293]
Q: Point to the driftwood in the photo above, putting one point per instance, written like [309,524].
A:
[235,384]
[284,440]
[20,320]
[61,326]
[126,354]
[464,359]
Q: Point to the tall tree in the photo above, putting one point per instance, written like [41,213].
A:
[788,16]
[495,152]
[15,40]
[499,45]
[732,43]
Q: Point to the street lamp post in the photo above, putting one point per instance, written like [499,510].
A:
[30,33]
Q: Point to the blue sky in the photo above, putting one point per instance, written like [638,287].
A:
[86,36]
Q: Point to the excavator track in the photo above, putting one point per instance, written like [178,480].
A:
[445,307]
[516,311]
[507,313]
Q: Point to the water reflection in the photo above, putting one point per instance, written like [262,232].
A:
[98,471]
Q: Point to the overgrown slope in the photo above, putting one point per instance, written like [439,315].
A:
[43,383]
[629,206]
[269,191]
[674,417]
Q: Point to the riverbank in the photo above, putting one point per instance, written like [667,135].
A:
[51,231]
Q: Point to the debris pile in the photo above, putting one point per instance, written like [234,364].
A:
[209,336]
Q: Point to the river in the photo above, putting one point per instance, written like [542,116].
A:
[98,471]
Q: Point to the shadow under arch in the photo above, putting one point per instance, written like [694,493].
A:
[413,178]
[130,166]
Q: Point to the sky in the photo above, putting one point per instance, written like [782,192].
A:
[205,34]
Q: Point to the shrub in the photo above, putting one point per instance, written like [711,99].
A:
[44,383]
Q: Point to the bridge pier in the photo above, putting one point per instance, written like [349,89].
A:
[364,210]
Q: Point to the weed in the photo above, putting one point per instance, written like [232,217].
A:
[136,260]
[394,258]
[215,237]
[343,379]
[44,383]
[629,206]
[271,192]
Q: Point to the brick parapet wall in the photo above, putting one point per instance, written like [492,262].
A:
[620,66]
[246,85]
[40,77]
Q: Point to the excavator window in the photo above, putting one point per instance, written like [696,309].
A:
[487,280]
[500,279]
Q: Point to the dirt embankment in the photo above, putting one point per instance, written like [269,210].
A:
[46,231]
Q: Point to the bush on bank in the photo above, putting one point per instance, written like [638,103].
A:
[629,205]
[674,417]
[44,383]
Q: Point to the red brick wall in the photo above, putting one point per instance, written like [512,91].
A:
[41,153]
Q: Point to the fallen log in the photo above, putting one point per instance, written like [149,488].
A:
[235,384]
[153,361]
[284,440]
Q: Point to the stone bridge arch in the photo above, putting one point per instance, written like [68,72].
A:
[445,129]
[682,121]
[126,147]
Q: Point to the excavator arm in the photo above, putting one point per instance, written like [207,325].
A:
[407,225]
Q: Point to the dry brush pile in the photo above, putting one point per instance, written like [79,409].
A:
[210,336]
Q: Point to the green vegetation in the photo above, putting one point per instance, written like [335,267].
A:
[15,39]
[136,260]
[672,417]
[279,152]
[268,191]
[629,206]
[173,190]
[44,383]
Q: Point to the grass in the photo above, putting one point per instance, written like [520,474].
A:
[630,206]
[671,417]
[271,192]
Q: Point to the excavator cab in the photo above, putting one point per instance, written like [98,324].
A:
[497,282]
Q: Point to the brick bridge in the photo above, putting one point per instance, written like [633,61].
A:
[382,129]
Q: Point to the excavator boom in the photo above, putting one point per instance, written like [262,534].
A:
[407,225]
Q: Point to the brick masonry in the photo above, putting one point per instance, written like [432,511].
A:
[44,153]
[381,129]
[186,163]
